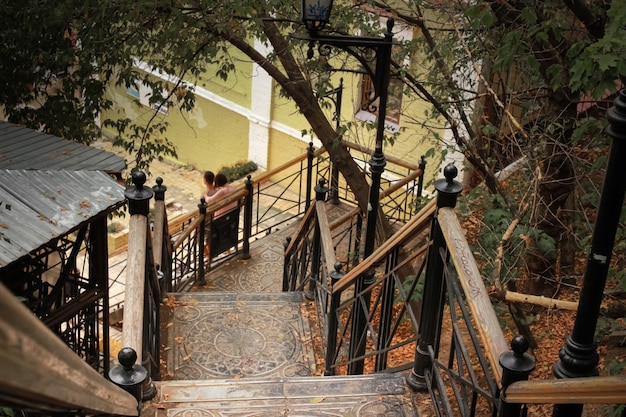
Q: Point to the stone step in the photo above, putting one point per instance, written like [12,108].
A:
[362,395]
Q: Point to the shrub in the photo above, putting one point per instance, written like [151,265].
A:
[238,170]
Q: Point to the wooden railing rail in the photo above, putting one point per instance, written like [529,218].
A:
[490,333]
[268,175]
[197,220]
[41,372]
[417,223]
[401,183]
[303,228]
[132,333]
[593,390]
[388,158]
[326,237]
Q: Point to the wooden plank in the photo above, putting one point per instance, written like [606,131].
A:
[38,368]
[478,300]
[592,390]
[188,231]
[407,231]
[326,237]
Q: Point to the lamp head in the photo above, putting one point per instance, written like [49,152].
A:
[316,14]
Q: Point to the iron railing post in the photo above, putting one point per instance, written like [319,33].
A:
[201,242]
[420,181]
[247,218]
[516,366]
[333,323]
[162,256]
[320,197]
[579,356]
[334,177]
[433,299]
[287,267]
[310,152]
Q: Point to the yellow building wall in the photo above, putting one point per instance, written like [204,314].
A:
[409,144]
[209,137]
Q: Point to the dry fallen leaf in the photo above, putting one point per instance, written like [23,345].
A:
[85,204]
[316,400]
[179,339]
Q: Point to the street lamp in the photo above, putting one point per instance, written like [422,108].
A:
[315,16]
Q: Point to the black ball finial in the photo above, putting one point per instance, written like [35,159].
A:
[450,172]
[127,357]
[519,345]
[139,179]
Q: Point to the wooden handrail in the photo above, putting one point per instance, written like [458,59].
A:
[326,237]
[407,231]
[40,370]
[591,390]
[188,231]
[344,218]
[267,175]
[132,332]
[302,229]
[400,183]
[478,301]
[388,158]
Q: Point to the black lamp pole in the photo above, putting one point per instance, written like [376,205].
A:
[315,15]
[579,357]
[337,99]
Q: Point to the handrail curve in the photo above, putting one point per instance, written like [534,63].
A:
[40,370]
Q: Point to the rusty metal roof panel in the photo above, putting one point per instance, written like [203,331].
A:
[48,204]
[23,148]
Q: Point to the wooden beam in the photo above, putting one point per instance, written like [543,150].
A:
[540,300]
[303,228]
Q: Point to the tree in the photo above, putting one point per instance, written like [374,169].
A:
[57,77]
[514,81]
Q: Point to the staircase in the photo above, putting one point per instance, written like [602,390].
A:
[238,346]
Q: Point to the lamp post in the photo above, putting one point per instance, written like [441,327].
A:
[315,16]
[337,99]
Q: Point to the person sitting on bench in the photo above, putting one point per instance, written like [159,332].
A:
[222,189]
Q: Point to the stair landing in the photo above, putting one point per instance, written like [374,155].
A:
[235,335]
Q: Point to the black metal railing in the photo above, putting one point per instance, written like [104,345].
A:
[315,258]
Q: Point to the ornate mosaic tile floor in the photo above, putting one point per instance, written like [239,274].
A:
[226,335]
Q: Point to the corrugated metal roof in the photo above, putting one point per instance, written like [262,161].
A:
[23,148]
[47,204]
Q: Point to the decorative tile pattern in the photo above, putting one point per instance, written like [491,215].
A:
[238,335]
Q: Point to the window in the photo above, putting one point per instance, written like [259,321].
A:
[369,112]
[143,93]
